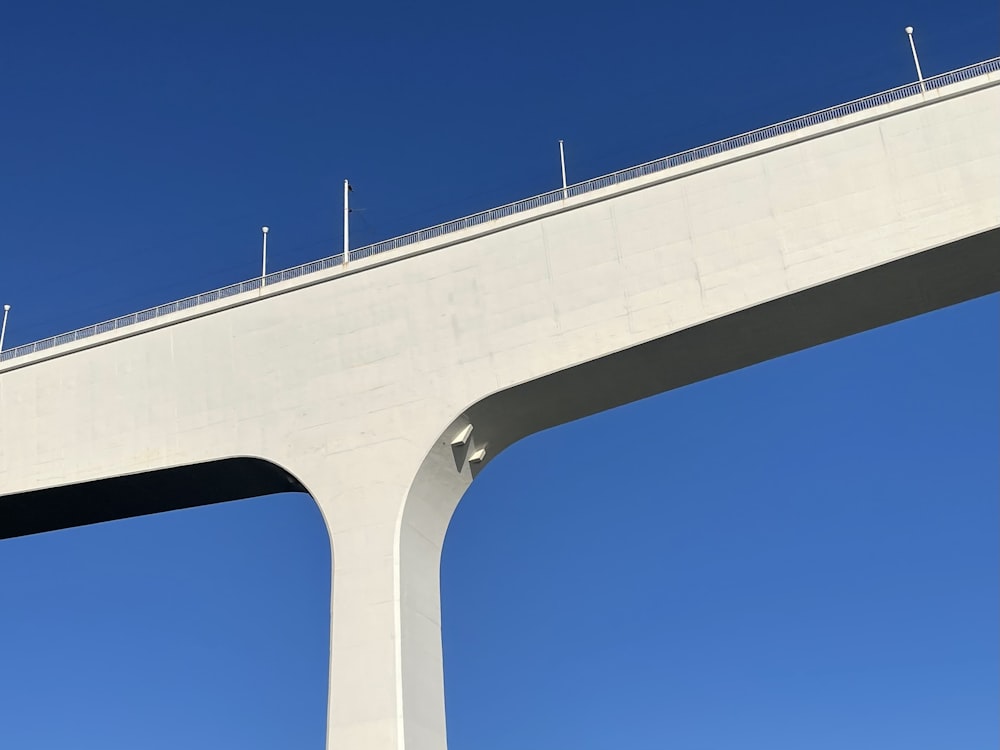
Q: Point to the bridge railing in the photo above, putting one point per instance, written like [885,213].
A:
[521,206]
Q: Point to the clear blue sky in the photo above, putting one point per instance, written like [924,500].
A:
[805,552]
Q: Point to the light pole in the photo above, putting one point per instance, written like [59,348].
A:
[3,328]
[562,163]
[263,265]
[916,62]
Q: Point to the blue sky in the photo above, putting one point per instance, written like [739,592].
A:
[804,553]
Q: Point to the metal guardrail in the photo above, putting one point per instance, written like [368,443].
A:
[528,204]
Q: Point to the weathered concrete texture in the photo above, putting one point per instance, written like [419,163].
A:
[356,385]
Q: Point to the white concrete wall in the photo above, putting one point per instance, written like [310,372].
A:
[355,384]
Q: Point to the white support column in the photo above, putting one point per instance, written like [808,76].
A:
[386,689]
[430,503]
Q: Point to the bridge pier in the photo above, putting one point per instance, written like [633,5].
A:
[387,528]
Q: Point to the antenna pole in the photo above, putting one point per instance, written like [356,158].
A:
[347,228]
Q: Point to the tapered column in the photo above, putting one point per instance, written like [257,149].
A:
[430,504]
[386,673]
[363,710]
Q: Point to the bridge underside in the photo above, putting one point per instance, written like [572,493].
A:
[918,284]
[927,281]
[141,494]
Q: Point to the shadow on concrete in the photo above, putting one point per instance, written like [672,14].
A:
[142,494]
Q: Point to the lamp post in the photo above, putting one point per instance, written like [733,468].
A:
[562,163]
[916,61]
[263,264]
[3,328]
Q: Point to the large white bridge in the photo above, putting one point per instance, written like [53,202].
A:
[382,385]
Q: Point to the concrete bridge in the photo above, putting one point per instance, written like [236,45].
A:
[382,386]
